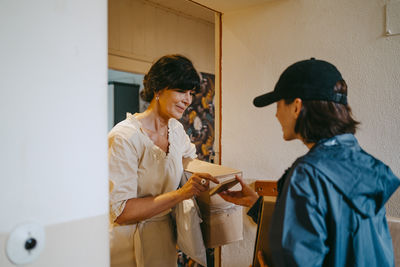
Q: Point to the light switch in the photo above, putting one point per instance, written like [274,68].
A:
[25,243]
[393,18]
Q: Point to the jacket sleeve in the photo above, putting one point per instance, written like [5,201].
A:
[298,231]
[254,211]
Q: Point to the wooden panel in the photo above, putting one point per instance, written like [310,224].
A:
[127,64]
[394,227]
[262,240]
[269,191]
[150,26]
[126,22]
[113,25]
[224,6]
[141,31]
[266,188]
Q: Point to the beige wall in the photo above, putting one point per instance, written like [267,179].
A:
[260,42]
[141,31]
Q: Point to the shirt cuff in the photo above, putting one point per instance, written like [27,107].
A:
[116,210]
[254,211]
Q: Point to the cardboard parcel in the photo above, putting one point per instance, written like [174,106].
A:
[222,221]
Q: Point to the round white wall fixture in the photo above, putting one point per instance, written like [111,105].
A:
[25,243]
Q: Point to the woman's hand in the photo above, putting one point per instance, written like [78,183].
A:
[139,209]
[194,186]
[246,197]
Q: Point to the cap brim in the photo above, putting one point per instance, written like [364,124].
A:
[265,99]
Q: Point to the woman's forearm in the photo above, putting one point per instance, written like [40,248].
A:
[139,209]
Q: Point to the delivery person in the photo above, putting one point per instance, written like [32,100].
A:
[330,209]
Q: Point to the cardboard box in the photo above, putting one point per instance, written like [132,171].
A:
[222,220]
[222,227]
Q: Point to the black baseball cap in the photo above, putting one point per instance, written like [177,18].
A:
[310,79]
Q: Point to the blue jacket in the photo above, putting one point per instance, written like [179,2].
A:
[330,209]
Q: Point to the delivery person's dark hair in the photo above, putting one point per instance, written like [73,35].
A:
[320,119]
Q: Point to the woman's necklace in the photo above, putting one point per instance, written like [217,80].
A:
[162,132]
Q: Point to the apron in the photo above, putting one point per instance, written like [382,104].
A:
[146,244]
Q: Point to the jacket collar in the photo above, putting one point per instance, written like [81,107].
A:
[346,139]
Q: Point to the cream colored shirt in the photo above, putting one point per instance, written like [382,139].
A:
[139,168]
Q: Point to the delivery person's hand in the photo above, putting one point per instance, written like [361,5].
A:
[245,197]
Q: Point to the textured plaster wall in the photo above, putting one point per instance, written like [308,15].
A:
[260,42]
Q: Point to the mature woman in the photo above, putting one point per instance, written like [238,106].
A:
[330,207]
[145,163]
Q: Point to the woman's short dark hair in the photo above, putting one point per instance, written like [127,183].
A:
[171,72]
[324,119]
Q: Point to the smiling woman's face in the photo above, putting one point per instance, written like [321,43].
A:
[173,102]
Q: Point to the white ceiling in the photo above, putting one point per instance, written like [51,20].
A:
[187,7]
[229,5]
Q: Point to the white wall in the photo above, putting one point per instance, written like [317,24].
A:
[260,42]
[53,113]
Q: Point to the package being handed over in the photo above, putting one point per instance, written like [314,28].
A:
[222,220]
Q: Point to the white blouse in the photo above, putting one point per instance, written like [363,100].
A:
[139,168]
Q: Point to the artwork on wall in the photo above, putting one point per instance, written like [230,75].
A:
[198,119]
